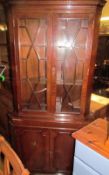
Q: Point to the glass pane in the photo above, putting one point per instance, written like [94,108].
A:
[33,63]
[70,50]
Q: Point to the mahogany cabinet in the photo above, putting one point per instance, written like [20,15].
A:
[52,54]
[44,149]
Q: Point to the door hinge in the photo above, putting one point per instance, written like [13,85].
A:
[14,23]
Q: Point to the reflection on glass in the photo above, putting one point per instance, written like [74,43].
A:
[70,48]
[33,63]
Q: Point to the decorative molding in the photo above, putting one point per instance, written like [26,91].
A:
[56,2]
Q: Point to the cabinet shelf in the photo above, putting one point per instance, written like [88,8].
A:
[29,45]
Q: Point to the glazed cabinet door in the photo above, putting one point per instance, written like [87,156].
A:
[33,147]
[33,61]
[52,55]
[61,151]
[71,55]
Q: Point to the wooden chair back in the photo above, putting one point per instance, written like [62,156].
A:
[11,164]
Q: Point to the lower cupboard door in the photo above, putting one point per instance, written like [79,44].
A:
[62,148]
[34,149]
[82,169]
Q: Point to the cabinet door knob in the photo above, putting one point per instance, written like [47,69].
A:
[70,134]
[34,143]
[53,71]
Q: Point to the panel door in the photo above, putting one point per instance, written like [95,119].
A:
[71,55]
[33,61]
[33,147]
[61,151]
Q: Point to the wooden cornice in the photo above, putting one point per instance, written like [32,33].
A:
[55,2]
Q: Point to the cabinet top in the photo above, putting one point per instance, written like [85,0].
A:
[56,2]
[95,136]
